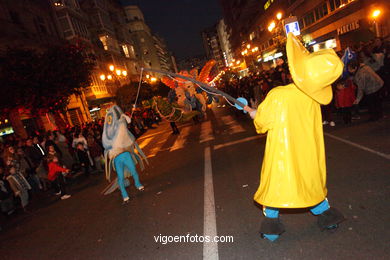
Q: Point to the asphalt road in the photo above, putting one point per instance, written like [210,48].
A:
[92,226]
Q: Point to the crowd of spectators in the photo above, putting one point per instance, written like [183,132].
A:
[366,82]
[143,119]
[47,162]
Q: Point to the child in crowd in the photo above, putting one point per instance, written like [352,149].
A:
[345,96]
[55,175]
[51,151]
[82,155]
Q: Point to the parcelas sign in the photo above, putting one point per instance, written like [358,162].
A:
[348,27]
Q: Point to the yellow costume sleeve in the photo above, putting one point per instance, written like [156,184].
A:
[265,114]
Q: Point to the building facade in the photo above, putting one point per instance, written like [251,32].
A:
[239,16]
[150,49]
[107,30]
[224,39]
[213,46]
[340,23]
[333,24]
[111,46]
[33,25]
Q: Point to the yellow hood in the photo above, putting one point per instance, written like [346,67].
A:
[313,73]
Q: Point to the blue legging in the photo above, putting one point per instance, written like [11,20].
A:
[121,161]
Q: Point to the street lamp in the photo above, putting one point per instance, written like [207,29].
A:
[271,26]
[375,15]
[115,77]
[279,15]
[118,72]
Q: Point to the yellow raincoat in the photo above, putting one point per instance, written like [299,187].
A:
[293,174]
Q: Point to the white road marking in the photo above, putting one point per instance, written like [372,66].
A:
[145,142]
[179,143]
[210,249]
[386,156]
[154,134]
[219,146]
[206,133]
[166,129]
[234,127]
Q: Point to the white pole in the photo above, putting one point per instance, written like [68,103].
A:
[377,32]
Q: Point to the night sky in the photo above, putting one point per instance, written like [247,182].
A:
[180,22]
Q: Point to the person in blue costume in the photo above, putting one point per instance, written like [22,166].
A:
[122,152]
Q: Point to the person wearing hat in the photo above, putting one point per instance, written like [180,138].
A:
[293,173]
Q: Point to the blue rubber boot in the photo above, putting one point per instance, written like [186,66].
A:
[271,227]
[328,218]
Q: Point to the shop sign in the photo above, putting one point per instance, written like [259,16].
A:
[348,27]
[291,25]
[267,4]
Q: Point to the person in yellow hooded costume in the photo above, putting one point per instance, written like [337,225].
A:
[293,173]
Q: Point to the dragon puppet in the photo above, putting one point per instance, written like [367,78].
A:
[191,100]
[121,152]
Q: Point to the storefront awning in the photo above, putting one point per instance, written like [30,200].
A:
[100,101]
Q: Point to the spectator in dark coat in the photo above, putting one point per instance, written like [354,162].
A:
[369,84]
[83,158]
[33,153]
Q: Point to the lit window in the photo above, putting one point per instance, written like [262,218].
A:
[252,36]
[104,41]
[131,51]
[126,51]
